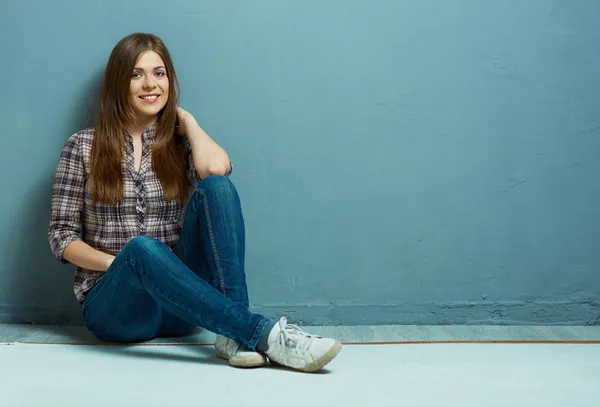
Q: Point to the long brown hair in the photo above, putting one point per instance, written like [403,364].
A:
[106,171]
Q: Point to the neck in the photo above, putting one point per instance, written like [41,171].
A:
[137,128]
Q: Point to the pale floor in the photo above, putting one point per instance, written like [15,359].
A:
[184,372]
[363,375]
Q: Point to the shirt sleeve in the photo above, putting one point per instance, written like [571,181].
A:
[192,174]
[68,194]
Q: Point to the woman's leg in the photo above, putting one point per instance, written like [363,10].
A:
[145,280]
[117,311]
[212,240]
[212,245]
[149,290]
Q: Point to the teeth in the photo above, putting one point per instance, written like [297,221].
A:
[149,97]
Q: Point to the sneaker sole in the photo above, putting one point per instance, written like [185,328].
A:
[246,361]
[319,363]
[323,360]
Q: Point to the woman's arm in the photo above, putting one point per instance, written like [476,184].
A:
[209,157]
[83,255]
[68,194]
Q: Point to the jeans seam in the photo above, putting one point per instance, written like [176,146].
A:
[258,331]
[213,245]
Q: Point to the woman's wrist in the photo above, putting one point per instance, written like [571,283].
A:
[109,262]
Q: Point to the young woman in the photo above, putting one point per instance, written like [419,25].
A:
[144,268]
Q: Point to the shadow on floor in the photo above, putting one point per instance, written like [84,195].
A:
[195,354]
[195,348]
[199,349]
[78,334]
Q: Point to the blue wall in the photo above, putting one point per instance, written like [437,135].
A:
[411,161]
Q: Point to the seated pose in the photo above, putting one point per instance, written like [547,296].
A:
[146,268]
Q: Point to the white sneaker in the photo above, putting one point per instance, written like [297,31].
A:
[237,355]
[290,346]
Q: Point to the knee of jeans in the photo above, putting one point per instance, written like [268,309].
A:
[215,182]
[143,243]
[215,185]
[139,248]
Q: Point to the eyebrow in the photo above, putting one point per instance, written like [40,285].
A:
[137,68]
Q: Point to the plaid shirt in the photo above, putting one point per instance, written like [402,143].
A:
[143,211]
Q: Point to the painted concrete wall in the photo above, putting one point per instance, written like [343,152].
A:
[400,161]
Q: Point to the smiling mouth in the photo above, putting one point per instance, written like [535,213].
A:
[149,97]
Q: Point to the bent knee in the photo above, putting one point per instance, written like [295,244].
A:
[216,184]
[215,181]
[144,243]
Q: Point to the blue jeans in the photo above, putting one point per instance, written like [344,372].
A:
[151,291]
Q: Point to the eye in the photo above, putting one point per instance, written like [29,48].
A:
[160,73]
[136,75]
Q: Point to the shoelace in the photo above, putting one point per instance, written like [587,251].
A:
[231,347]
[234,346]
[291,336]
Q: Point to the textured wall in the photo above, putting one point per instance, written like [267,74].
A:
[409,161]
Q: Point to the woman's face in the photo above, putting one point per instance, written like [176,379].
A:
[149,87]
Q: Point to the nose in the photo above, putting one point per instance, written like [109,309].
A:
[149,82]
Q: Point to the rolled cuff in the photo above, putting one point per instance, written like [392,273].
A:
[60,241]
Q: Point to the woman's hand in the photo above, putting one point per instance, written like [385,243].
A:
[209,157]
[186,122]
